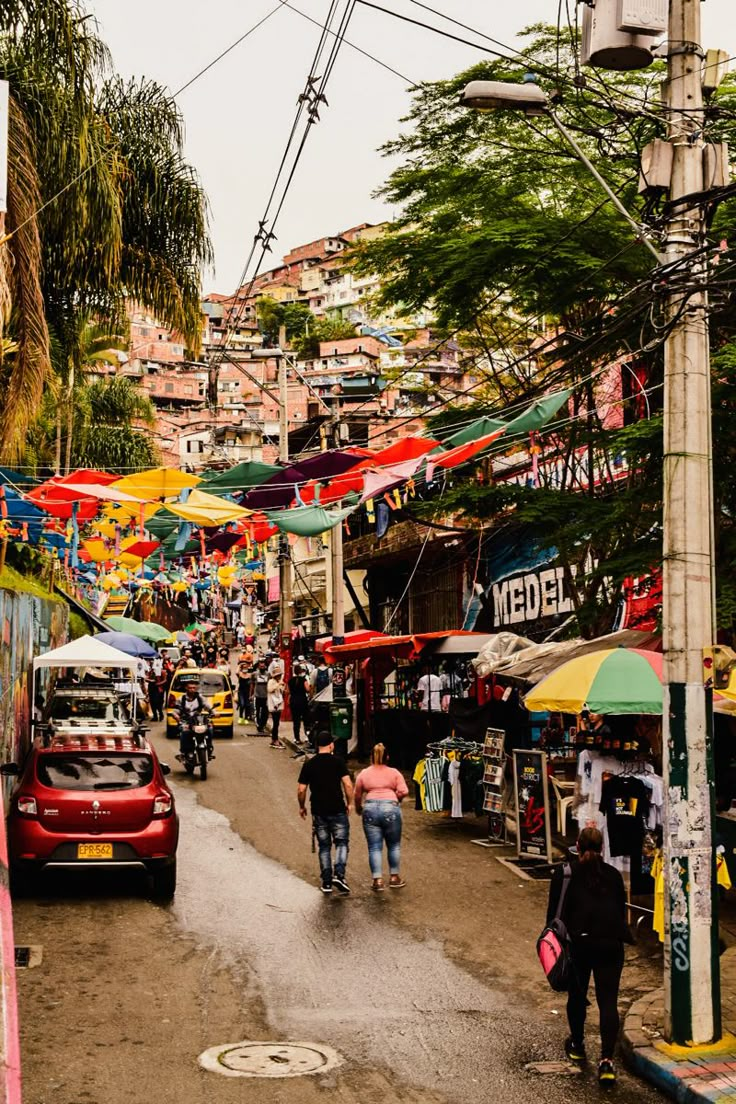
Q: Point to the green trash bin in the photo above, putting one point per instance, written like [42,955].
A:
[341,725]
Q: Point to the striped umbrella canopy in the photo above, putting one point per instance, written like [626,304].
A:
[613,680]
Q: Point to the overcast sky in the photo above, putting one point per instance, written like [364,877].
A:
[238,115]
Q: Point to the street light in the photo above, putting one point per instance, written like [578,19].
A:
[528,97]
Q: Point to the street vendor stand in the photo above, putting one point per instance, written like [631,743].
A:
[84,653]
[386,671]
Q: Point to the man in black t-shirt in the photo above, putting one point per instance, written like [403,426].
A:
[298,702]
[331,795]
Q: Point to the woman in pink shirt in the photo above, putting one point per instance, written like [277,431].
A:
[379,791]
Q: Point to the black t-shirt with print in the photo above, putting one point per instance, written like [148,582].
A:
[323,774]
[625,805]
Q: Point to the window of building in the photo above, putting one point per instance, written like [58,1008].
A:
[169,388]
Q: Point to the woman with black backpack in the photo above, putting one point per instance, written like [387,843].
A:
[594,912]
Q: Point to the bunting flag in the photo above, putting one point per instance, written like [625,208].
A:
[454,457]
[207,510]
[532,418]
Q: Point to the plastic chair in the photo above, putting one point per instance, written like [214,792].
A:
[563,804]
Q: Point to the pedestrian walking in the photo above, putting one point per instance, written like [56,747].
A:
[298,702]
[260,696]
[275,703]
[594,913]
[379,791]
[330,788]
[321,677]
[245,666]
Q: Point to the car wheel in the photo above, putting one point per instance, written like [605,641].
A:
[226,733]
[163,880]
[171,732]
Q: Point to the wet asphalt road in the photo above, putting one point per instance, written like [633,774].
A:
[251,949]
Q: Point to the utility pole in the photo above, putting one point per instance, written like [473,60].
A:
[285,597]
[336,563]
[692,976]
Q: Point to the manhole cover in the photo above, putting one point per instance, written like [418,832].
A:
[269,1059]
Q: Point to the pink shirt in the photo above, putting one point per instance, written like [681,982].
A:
[380,783]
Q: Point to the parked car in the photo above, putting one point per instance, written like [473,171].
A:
[92,708]
[170,651]
[87,800]
[216,689]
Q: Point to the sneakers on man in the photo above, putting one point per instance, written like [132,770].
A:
[606,1072]
[341,884]
[574,1051]
[326,887]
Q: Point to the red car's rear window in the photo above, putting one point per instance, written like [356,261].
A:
[70,771]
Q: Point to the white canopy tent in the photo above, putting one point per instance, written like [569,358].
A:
[87,651]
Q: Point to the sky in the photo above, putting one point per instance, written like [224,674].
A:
[238,114]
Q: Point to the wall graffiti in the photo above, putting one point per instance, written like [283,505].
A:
[28,626]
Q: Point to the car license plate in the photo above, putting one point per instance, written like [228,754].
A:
[94,850]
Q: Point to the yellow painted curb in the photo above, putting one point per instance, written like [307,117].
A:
[726,1045]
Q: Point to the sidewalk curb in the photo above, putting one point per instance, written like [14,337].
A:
[690,1075]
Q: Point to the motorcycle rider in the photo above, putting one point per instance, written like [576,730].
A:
[190,704]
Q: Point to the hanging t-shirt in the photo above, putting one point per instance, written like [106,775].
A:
[625,805]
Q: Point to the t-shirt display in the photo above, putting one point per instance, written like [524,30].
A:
[323,775]
[625,805]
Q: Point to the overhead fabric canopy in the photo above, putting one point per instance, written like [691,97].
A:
[16,511]
[453,457]
[61,502]
[17,479]
[534,417]
[206,509]
[157,483]
[280,490]
[403,647]
[405,455]
[86,651]
[251,473]
[355,636]
[308,521]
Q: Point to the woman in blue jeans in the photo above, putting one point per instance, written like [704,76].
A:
[379,791]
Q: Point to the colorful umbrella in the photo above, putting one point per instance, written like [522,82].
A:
[613,680]
[145,630]
[124,642]
[207,510]
[279,491]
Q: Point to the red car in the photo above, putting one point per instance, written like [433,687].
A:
[93,801]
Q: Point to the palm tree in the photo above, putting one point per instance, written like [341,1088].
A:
[106,437]
[101,204]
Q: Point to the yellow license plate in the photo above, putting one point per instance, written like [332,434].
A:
[94,850]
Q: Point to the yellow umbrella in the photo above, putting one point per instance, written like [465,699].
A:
[179,587]
[97,550]
[206,509]
[156,483]
[123,512]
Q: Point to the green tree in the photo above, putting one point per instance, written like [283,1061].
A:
[101,205]
[519,252]
[106,434]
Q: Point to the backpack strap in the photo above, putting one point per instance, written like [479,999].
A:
[566,876]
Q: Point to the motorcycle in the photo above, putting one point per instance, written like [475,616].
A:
[197,743]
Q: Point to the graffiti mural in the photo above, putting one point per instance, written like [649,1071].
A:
[28,626]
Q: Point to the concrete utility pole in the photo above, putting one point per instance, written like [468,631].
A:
[692,976]
[336,564]
[285,597]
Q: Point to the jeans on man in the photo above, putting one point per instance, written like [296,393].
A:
[261,714]
[382,822]
[331,830]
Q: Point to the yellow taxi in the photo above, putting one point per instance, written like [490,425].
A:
[216,691]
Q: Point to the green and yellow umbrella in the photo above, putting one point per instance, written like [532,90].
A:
[613,680]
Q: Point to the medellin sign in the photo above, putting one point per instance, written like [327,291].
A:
[539,594]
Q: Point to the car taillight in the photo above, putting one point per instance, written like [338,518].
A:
[27,806]
[171,703]
[162,805]
[228,703]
